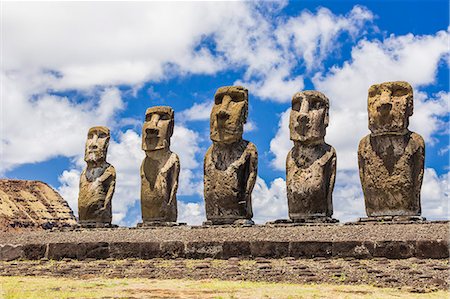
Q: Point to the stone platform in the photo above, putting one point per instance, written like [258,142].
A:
[372,240]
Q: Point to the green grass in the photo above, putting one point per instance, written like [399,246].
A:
[50,287]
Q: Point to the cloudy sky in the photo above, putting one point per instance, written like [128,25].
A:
[69,66]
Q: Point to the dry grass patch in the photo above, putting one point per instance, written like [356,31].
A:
[49,287]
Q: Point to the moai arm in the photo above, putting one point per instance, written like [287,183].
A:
[174,183]
[253,170]
[331,184]
[111,181]
[361,161]
[420,161]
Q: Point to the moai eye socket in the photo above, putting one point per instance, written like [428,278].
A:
[90,136]
[148,117]
[297,104]
[101,135]
[399,91]
[373,91]
[316,104]
[218,99]
[164,116]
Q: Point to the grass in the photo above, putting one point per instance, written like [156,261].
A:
[50,287]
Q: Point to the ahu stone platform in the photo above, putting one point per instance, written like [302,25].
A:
[392,241]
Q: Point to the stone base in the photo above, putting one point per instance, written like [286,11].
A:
[306,220]
[88,224]
[396,219]
[234,222]
[145,224]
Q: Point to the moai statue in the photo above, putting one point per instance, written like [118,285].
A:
[97,181]
[311,163]
[230,165]
[159,170]
[391,158]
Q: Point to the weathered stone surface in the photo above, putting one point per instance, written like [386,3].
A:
[434,249]
[310,249]
[97,181]
[391,158]
[311,163]
[149,250]
[199,250]
[172,249]
[160,168]
[357,249]
[34,251]
[80,251]
[11,252]
[236,249]
[124,250]
[394,249]
[269,249]
[230,166]
[32,204]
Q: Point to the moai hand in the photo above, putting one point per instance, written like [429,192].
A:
[311,163]
[97,181]
[230,166]
[160,168]
[391,158]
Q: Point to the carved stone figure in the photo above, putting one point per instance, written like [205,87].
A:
[160,168]
[230,165]
[97,181]
[311,163]
[391,158]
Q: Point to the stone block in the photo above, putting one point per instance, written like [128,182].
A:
[58,251]
[124,250]
[310,249]
[10,252]
[434,249]
[236,249]
[269,249]
[172,249]
[34,251]
[95,250]
[357,249]
[199,250]
[149,250]
[395,249]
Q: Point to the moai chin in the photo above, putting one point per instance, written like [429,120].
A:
[160,168]
[97,181]
[391,158]
[230,165]
[311,163]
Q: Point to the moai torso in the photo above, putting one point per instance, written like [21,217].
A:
[97,181]
[230,165]
[311,163]
[160,168]
[227,173]
[391,158]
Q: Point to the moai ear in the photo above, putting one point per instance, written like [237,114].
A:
[327,118]
[170,128]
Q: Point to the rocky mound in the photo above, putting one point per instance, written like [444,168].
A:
[32,204]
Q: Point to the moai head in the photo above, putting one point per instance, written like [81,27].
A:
[157,128]
[96,144]
[309,116]
[229,114]
[390,105]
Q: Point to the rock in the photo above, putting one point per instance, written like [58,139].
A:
[357,249]
[311,163]
[32,204]
[160,168]
[230,166]
[97,181]
[310,249]
[432,249]
[391,158]
[236,249]
[270,249]
[11,252]
[394,249]
[200,250]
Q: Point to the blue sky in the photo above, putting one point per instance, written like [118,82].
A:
[69,66]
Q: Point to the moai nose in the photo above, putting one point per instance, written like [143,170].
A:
[302,118]
[223,115]
[385,108]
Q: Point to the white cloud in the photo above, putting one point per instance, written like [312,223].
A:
[435,195]
[198,111]
[191,213]
[269,203]
[281,144]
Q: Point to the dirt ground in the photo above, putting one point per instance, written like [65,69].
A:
[414,275]
[51,287]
